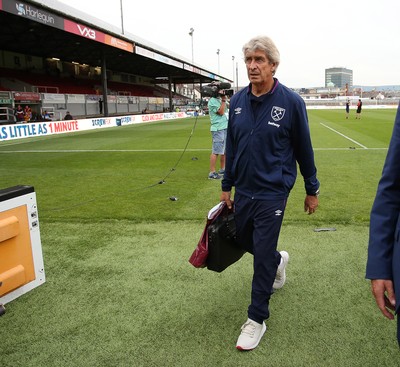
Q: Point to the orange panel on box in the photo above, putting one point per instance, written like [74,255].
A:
[16,258]
[9,228]
[12,279]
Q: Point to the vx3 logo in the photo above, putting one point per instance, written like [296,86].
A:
[278,212]
[87,32]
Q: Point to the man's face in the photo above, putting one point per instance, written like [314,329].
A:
[259,68]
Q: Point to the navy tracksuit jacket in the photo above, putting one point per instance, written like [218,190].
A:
[261,153]
[384,234]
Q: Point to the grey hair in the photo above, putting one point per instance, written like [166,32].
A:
[265,44]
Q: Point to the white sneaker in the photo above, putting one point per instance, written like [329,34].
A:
[280,277]
[251,334]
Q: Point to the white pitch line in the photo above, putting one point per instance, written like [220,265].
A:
[345,136]
[103,150]
[140,150]
[336,149]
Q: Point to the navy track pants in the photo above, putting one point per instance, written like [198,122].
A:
[258,224]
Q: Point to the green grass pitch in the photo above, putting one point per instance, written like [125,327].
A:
[119,289]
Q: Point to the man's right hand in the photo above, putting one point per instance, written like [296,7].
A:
[226,196]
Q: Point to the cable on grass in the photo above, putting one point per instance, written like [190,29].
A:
[159,182]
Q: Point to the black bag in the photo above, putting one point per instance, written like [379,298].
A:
[223,249]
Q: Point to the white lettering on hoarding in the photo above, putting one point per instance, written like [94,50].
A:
[87,32]
[17,131]
[22,131]
[34,13]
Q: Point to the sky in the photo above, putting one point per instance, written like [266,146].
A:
[311,35]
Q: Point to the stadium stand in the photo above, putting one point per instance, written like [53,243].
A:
[20,80]
[40,82]
[86,62]
[127,89]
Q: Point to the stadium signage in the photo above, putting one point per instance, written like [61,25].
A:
[126,119]
[154,117]
[158,57]
[95,35]
[5,97]
[86,32]
[42,16]
[22,131]
[32,13]
[101,122]
[26,97]
[34,129]
[63,126]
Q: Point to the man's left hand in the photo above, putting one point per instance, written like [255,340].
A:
[311,204]
[383,291]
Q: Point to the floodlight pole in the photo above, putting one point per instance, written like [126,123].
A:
[237,78]
[122,18]
[191,30]
[218,59]
[191,35]
[233,69]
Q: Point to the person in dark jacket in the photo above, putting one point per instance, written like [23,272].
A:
[359,108]
[383,263]
[68,116]
[268,135]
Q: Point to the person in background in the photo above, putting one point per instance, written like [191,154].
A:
[100,106]
[46,116]
[268,135]
[384,242]
[36,117]
[347,108]
[68,116]
[19,114]
[218,111]
[27,113]
[359,108]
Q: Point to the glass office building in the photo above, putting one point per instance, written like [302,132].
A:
[338,77]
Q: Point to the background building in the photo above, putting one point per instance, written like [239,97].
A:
[338,77]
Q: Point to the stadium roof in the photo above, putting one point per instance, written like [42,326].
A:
[52,29]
